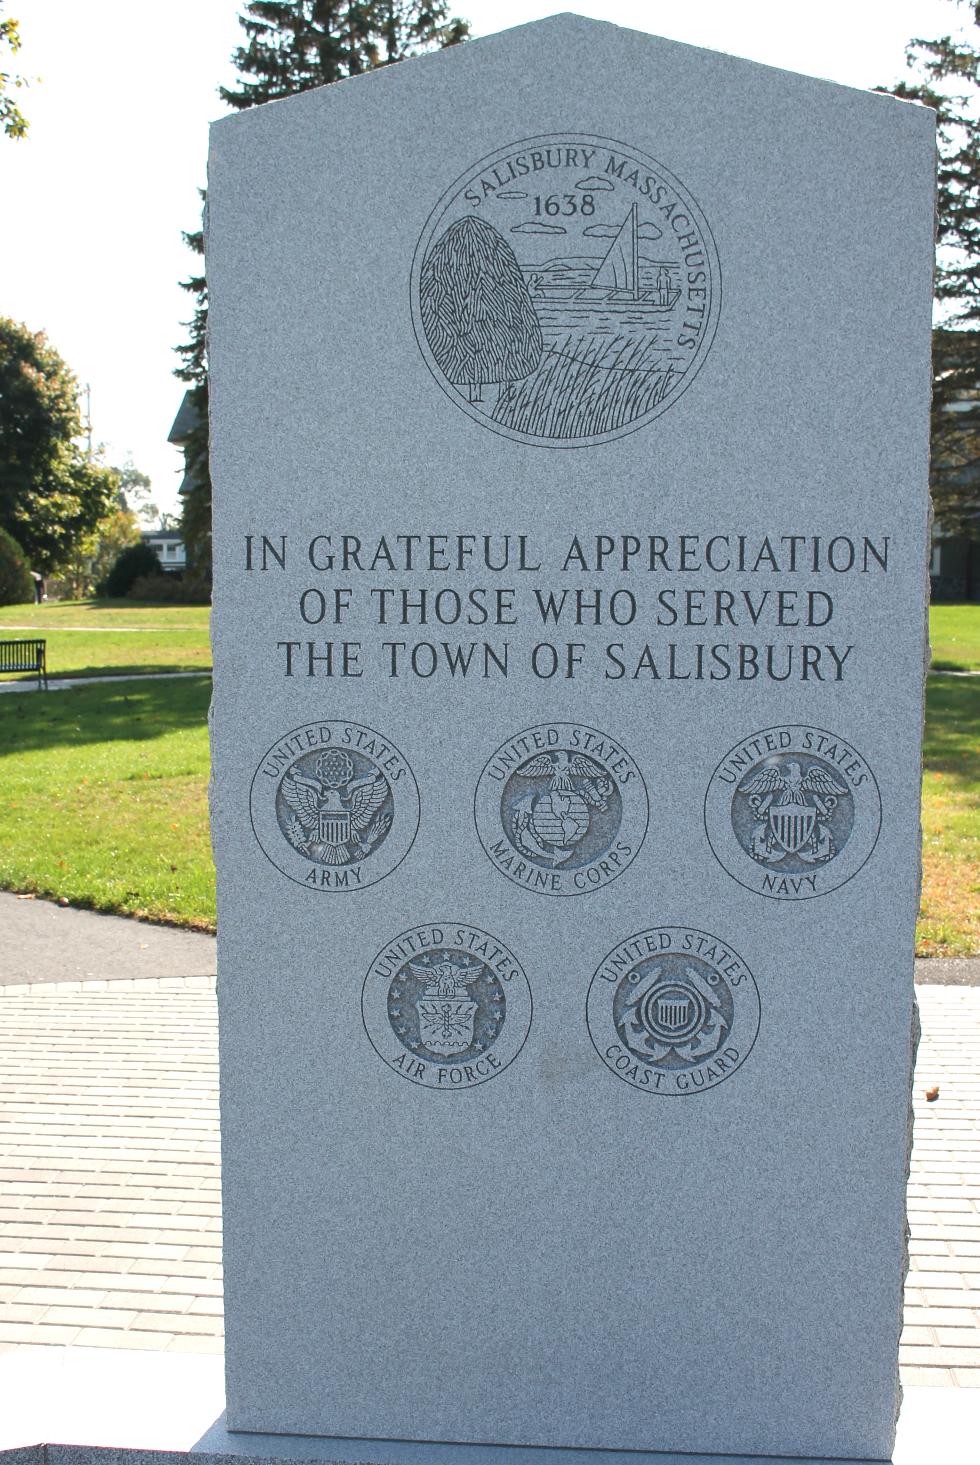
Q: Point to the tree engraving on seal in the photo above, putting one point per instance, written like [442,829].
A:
[792,812]
[446,1006]
[673,1011]
[561,809]
[566,290]
[334,806]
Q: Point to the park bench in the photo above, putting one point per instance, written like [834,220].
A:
[25,656]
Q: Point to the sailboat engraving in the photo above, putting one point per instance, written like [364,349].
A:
[616,284]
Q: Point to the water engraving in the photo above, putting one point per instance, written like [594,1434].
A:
[334,806]
[561,809]
[566,290]
[792,812]
[446,1006]
[673,1011]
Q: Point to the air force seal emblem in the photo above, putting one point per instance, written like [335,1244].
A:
[673,1011]
[446,1006]
[334,806]
[792,812]
[561,809]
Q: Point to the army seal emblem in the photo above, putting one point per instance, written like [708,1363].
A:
[792,812]
[446,1006]
[566,290]
[561,809]
[673,1011]
[334,806]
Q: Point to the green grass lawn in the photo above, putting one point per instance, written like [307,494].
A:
[954,631]
[949,918]
[103,798]
[103,789]
[111,637]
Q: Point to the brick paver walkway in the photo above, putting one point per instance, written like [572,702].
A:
[110,1215]
[109,1173]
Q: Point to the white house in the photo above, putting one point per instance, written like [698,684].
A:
[168,548]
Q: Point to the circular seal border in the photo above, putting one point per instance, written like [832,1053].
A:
[646,1088]
[445,926]
[562,894]
[439,210]
[766,894]
[336,722]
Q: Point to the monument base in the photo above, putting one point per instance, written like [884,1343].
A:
[167,1409]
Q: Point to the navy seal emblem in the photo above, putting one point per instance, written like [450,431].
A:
[561,809]
[673,1011]
[792,812]
[566,290]
[446,1006]
[334,806]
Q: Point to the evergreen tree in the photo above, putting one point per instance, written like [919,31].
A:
[947,77]
[291,46]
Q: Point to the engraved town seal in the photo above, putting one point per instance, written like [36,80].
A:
[673,1011]
[561,809]
[446,1006]
[566,290]
[334,806]
[792,812]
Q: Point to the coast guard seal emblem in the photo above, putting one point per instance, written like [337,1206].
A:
[565,290]
[446,1006]
[792,812]
[334,806]
[561,809]
[673,1011]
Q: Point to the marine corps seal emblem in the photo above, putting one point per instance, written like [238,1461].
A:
[446,1006]
[566,290]
[792,812]
[673,1011]
[334,806]
[561,809]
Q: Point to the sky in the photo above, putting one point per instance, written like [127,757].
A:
[93,202]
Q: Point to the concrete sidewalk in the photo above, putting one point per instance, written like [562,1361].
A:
[110,1230]
[43,942]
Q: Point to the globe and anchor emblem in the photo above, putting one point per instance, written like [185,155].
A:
[549,825]
[561,808]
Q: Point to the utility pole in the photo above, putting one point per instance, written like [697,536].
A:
[88,416]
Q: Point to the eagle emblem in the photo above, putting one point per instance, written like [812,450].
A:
[792,809]
[331,815]
[445,1009]
[548,824]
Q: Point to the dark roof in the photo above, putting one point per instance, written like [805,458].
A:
[173,534]
[186,420]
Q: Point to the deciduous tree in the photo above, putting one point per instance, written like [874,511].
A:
[51,494]
[12,119]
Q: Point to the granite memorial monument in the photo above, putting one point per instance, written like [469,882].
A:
[569,398]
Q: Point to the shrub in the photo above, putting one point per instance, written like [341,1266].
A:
[16,584]
[170,589]
[134,563]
